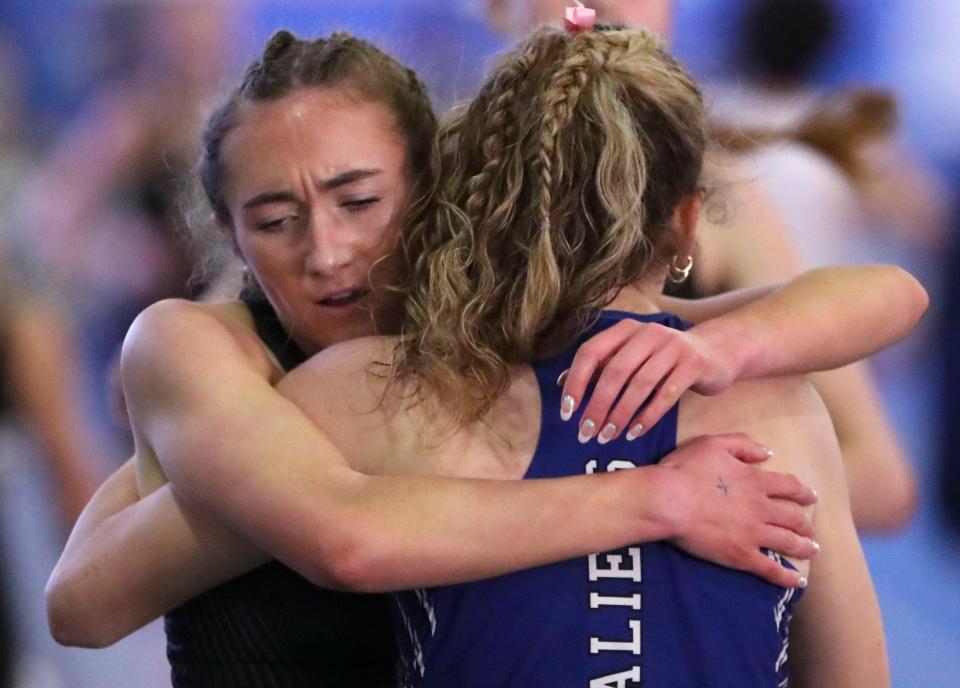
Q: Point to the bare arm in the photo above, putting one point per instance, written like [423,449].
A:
[883,488]
[820,320]
[837,633]
[307,507]
[823,319]
[125,562]
[333,525]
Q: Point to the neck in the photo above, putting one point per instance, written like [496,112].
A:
[639,297]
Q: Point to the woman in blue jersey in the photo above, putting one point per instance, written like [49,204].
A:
[520,275]
[303,504]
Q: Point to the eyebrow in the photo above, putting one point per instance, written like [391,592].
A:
[270,197]
[348,177]
[335,182]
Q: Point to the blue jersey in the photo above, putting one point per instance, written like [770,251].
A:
[645,615]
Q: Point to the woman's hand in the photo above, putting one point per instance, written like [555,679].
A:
[640,365]
[723,509]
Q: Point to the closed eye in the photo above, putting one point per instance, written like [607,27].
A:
[360,204]
[274,225]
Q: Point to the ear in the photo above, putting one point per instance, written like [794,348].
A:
[685,218]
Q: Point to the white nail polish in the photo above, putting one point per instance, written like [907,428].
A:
[816,546]
[563,377]
[609,430]
[587,429]
[567,405]
[802,583]
[635,432]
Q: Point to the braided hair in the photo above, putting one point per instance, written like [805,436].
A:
[557,188]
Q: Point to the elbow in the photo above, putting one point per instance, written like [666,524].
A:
[72,623]
[357,563]
[902,503]
[893,512]
[354,572]
[355,569]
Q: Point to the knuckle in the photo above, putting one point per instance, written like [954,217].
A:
[587,355]
[714,442]
[616,370]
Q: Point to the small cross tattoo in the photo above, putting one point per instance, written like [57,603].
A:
[722,485]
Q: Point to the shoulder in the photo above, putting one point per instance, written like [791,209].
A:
[786,414]
[343,367]
[342,390]
[754,400]
[172,318]
[176,337]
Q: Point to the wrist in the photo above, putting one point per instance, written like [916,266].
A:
[733,342]
[656,513]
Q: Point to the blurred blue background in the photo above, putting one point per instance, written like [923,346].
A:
[68,67]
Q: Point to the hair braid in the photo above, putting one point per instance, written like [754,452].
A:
[547,206]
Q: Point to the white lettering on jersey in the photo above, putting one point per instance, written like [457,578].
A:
[597,600]
[614,566]
[617,680]
[615,465]
[633,645]
[626,566]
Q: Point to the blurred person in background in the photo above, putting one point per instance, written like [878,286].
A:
[45,438]
[91,238]
[753,243]
[37,336]
[111,236]
[878,184]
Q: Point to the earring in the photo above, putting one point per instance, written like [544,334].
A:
[678,274]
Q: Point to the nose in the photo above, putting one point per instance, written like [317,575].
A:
[330,246]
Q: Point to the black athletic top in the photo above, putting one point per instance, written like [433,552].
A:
[271,628]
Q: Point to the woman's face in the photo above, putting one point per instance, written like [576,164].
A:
[317,184]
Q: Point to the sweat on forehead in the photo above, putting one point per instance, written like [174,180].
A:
[312,136]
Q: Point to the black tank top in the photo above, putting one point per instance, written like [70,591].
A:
[272,628]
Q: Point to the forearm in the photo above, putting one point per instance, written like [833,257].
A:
[821,320]
[701,310]
[124,563]
[375,533]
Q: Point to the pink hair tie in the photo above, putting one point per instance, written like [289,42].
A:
[579,18]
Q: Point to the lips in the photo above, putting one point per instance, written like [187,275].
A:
[343,299]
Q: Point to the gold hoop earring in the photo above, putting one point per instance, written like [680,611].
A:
[678,274]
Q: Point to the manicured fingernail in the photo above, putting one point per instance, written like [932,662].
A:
[815,498]
[587,428]
[802,583]
[768,451]
[567,405]
[609,430]
[635,432]
[563,377]
[816,546]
